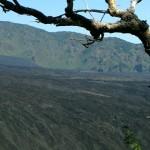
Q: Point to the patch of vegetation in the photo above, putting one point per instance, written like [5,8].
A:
[130,139]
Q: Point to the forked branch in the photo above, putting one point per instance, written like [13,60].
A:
[129,22]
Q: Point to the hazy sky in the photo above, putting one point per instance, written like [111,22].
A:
[56,7]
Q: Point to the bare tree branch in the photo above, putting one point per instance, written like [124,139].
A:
[129,22]
[113,10]
[133,5]
[4,9]
[89,41]
[82,21]
[87,10]
[33,12]
[91,10]
[69,8]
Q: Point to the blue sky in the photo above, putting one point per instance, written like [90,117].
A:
[57,7]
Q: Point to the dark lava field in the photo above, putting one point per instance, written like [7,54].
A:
[69,110]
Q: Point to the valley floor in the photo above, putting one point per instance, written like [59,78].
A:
[59,110]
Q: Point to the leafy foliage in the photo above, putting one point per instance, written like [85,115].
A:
[130,139]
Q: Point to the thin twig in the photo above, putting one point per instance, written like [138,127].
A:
[92,10]
[102,17]
[88,42]
[87,7]
[86,11]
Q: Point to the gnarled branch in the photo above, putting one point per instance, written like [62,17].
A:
[129,22]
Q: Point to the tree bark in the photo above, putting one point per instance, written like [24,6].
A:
[145,38]
[129,22]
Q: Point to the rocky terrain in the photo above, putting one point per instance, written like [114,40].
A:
[61,110]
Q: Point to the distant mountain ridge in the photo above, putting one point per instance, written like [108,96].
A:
[58,50]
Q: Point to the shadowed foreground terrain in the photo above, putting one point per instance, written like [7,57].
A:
[59,110]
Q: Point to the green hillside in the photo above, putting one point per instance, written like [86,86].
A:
[58,50]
